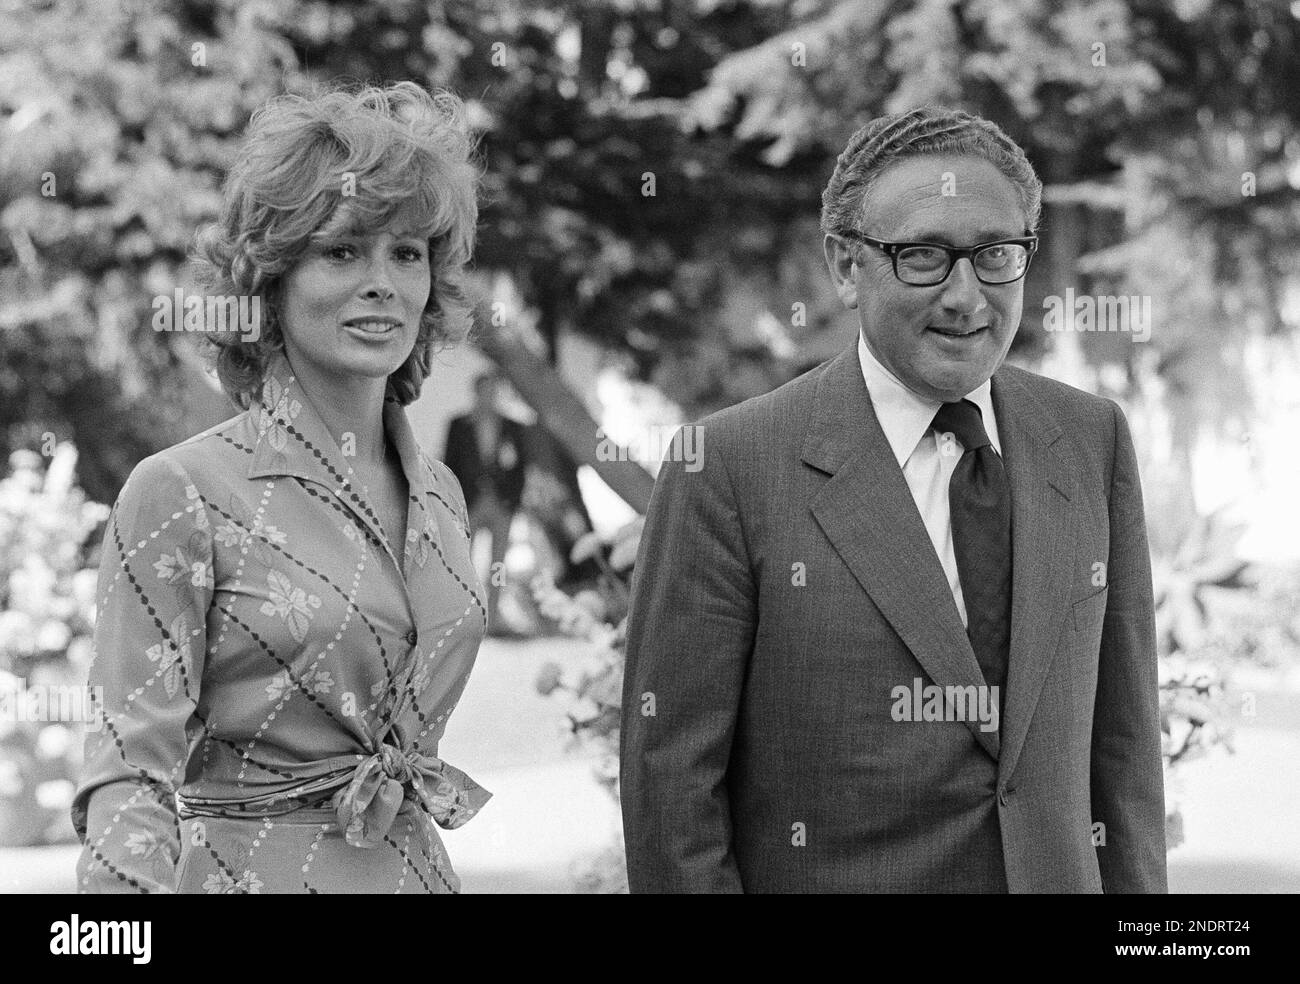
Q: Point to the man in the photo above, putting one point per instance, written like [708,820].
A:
[896,634]
[485,451]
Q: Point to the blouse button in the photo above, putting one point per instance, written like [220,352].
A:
[411,638]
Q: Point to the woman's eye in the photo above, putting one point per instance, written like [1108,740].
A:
[338,251]
[411,254]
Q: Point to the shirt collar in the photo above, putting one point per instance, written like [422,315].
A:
[906,417]
[292,439]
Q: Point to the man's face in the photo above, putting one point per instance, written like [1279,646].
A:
[941,341]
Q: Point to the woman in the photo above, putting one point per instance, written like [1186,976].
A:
[287,608]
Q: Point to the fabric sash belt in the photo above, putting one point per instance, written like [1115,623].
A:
[366,797]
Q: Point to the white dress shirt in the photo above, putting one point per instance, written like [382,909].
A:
[905,418]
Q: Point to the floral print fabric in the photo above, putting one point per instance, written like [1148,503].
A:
[276,675]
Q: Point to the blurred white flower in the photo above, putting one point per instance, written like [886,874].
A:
[53,637]
[84,584]
[58,477]
[549,679]
[54,794]
[592,601]
[10,684]
[586,547]
[17,632]
[53,741]
[80,651]
[606,767]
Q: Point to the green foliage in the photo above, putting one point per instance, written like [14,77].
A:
[47,599]
[1142,117]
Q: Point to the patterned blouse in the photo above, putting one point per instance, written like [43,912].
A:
[274,682]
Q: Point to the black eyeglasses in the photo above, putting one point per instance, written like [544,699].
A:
[927,264]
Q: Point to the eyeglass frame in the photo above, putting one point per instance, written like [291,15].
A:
[954,255]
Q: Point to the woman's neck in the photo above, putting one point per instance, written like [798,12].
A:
[352,409]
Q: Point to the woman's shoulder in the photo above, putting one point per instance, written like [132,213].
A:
[445,484]
[197,461]
[444,476]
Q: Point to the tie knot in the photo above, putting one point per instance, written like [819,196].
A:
[964,420]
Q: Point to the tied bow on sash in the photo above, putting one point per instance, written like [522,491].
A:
[368,804]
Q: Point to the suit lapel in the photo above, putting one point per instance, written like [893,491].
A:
[867,512]
[1042,550]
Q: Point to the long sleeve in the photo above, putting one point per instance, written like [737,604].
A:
[1127,779]
[690,637]
[155,588]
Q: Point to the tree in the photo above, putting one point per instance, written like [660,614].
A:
[652,174]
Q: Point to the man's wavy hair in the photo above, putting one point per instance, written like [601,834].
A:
[924,131]
[301,159]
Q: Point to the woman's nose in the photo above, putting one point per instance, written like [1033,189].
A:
[378,284]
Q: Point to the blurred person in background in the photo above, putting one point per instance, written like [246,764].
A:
[287,608]
[486,451]
[553,498]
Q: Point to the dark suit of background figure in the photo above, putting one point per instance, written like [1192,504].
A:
[487,452]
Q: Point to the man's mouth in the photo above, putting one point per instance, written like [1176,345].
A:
[957,332]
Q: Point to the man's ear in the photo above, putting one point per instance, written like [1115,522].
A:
[839,260]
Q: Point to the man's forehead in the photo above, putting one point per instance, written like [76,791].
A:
[942,196]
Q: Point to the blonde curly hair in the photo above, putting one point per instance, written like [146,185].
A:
[301,160]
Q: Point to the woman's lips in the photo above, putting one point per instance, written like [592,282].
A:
[372,327]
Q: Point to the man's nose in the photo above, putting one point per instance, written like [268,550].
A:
[962,291]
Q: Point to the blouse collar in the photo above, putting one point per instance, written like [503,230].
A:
[292,440]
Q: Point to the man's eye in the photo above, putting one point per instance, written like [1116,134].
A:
[923,257]
[995,256]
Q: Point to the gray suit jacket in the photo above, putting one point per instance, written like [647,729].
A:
[786,587]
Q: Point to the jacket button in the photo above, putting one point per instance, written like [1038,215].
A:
[1003,795]
[412,638]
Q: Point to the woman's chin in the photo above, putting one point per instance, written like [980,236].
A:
[376,359]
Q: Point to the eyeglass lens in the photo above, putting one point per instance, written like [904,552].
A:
[995,264]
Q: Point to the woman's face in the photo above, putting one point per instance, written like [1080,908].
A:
[352,305]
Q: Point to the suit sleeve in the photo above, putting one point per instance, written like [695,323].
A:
[155,587]
[690,635]
[1127,770]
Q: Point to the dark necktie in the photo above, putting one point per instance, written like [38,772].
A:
[980,500]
